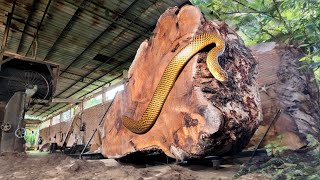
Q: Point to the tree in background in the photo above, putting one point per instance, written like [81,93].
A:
[31,137]
[294,22]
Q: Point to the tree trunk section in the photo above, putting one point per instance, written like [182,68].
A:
[201,116]
[286,85]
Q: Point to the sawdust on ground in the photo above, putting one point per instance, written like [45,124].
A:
[58,166]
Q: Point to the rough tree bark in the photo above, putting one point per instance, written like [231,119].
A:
[287,86]
[201,116]
[297,93]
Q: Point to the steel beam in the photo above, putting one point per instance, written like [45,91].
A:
[118,24]
[125,11]
[112,69]
[32,121]
[33,9]
[6,33]
[66,28]
[39,26]
[66,100]
[96,79]
[72,73]
[21,20]
[121,63]
[97,38]
[80,96]
[19,30]
[113,55]
[8,24]
[120,14]
[76,80]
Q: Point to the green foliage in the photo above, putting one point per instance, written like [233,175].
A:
[93,102]
[295,22]
[30,137]
[274,148]
[290,165]
[314,143]
[313,177]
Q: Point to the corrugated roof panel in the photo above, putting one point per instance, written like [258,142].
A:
[73,44]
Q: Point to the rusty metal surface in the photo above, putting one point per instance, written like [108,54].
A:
[2,109]
[73,32]
[13,113]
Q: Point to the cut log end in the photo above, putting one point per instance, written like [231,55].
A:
[201,116]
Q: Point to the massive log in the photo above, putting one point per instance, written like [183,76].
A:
[286,85]
[201,115]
